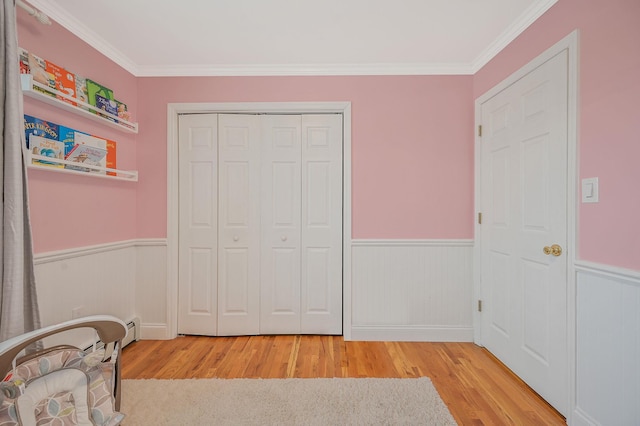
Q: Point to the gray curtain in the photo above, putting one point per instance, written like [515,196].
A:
[18,301]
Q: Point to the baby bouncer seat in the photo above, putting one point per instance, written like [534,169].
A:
[63,385]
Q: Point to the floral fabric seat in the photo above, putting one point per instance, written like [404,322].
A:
[63,385]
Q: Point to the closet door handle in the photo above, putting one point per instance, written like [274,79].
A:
[236,238]
[283,238]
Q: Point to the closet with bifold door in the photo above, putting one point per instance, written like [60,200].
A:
[260,234]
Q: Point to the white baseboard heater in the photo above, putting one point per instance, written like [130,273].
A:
[133,334]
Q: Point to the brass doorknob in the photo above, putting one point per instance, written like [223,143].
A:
[554,250]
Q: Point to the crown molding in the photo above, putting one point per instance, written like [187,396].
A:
[535,11]
[304,70]
[80,30]
[84,33]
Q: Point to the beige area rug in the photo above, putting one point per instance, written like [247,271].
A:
[197,402]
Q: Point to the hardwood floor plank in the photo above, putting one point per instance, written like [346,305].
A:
[476,387]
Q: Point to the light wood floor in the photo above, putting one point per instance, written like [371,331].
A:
[477,388]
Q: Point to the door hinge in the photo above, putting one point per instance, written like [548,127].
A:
[480,218]
[480,130]
[479,305]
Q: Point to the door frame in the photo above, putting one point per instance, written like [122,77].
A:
[569,43]
[174,110]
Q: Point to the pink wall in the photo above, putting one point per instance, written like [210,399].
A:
[412,153]
[412,138]
[412,158]
[70,211]
[609,115]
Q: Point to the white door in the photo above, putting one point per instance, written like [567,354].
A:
[198,236]
[260,224]
[239,225]
[301,285]
[281,194]
[524,206]
[321,286]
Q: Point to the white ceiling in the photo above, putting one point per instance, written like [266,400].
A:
[296,37]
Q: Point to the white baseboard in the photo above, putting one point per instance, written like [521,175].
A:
[154,332]
[412,334]
[580,418]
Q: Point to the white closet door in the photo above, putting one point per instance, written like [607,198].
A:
[198,270]
[321,286]
[239,225]
[281,214]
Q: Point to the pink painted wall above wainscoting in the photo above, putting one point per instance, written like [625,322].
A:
[412,146]
[609,115]
[69,211]
[412,138]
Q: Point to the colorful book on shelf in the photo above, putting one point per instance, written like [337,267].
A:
[81,90]
[107,105]
[23,56]
[46,148]
[111,156]
[94,88]
[63,80]
[93,141]
[123,111]
[38,127]
[38,68]
[85,154]
[67,136]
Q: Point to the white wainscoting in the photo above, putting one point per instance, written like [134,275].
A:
[607,346]
[152,301]
[86,281]
[404,290]
[126,279]
[412,290]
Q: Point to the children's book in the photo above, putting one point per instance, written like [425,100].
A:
[64,81]
[86,154]
[81,90]
[93,141]
[94,89]
[123,112]
[24,61]
[38,67]
[46,148]
[38,127]
[67,136]
[107,105]
[111,156]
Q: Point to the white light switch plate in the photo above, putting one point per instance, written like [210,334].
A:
[590,192]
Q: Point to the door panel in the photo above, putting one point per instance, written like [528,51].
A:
[321,287]
[280,205]
[524,205]
[536,286]
[500,296]
[534,198]
[318,266]
[197,256]
[239,225]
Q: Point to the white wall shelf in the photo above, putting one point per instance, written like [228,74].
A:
[29,89]
[95,171]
